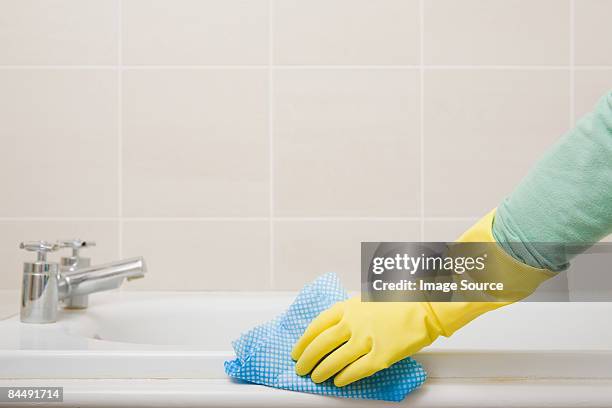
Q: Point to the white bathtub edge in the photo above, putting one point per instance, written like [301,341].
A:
[225,393]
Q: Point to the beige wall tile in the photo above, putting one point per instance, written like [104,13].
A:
[58,32]
[216,32]
[307,249]
[484,129]
[9,305]
[446,230]
[13,232]
[195,143]
[59,143]
[496,32]
[591,85]
[346,142]
[346,32]
[593,32]
[200,255]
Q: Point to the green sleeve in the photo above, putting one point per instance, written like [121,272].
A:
[565,199]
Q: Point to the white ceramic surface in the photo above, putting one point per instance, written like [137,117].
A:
[183,339]
[188,335]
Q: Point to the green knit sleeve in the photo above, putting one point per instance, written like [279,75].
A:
[565,199]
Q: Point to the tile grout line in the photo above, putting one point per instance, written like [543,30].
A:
[233,219]
[120,128]
[305,67]
[572,62]
[422,116]
[271,240]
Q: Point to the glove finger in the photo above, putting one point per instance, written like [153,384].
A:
[364,367]
[319,324]
[339,359]
[324,344]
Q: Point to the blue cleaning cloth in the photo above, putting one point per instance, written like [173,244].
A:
[264,353]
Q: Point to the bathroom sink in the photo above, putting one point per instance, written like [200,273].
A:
[161,349]
[189,334]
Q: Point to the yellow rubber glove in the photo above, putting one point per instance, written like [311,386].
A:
[356,339]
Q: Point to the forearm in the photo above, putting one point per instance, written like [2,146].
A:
[566,198]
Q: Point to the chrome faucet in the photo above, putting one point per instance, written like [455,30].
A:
[45,283]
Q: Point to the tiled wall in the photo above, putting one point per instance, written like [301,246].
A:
[252,144]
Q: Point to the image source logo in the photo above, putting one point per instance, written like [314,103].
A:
[478,272]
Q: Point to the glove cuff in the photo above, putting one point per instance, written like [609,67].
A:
[519,279]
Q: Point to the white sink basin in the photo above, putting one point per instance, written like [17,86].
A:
[185,321]
[188,335]
[167,349]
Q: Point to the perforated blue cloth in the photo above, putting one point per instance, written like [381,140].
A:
[264,353]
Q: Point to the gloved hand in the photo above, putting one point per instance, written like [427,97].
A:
[376,335]
[365,337]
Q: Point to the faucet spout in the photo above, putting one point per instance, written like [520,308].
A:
[45,284]
[97,278]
